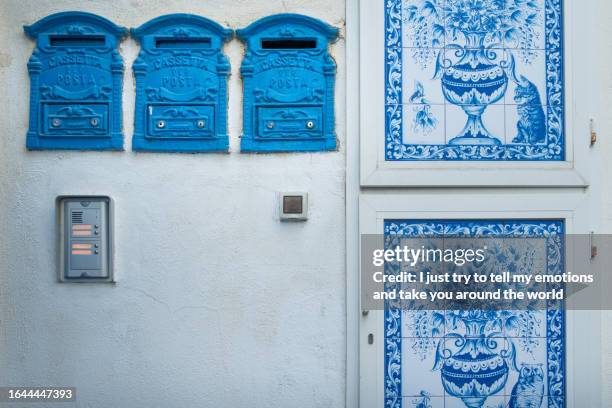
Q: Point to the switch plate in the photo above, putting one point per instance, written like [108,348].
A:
[85,238]
[293,206]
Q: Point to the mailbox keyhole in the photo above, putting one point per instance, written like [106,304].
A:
[161,124]
[288,44]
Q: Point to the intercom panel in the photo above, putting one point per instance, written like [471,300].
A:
[85,227]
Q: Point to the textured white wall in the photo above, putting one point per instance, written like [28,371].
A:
[217,304]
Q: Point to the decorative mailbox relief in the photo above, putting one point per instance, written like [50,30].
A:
[76,77]
[181,85]
[288,85]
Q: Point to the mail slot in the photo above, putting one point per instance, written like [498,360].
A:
[181,85]
[288,77]
[85,233]
[76,77]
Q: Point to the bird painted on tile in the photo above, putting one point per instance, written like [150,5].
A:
[418,94]
[424,402]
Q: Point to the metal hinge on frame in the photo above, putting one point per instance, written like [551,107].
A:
[592,245]
[592,131]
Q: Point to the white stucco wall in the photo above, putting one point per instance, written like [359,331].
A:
[217,304]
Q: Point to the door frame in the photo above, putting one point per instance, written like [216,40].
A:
[364,194]
[582,356]
[574,171]
[352,204]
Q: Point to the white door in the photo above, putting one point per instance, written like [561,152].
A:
[448,101]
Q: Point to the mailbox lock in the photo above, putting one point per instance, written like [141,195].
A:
[310,124]
[270,125]
[201,124]
[161,124]
[94,122]
[56,122]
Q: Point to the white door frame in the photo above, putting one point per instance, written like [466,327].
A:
[579,105]
[352,204]
[572,207]
[582,355]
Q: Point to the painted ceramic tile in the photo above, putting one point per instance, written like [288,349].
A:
[514,358]
[481,79]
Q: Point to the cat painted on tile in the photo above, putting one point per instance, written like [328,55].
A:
[528,391]
[531,125]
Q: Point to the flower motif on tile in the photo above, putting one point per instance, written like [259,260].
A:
[481,52]
[424,120]
[482,355]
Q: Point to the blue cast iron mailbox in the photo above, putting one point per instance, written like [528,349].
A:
[76,76]
[181,85]
[288,85]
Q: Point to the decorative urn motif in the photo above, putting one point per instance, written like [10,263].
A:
[474,43]
[479,364]
[475,81]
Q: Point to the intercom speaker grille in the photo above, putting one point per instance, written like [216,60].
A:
[77,217]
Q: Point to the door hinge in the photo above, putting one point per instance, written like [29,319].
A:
[592,245]
[592,132]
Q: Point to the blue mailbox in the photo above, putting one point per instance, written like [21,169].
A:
[181,85]
[76,76]
[288,85]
